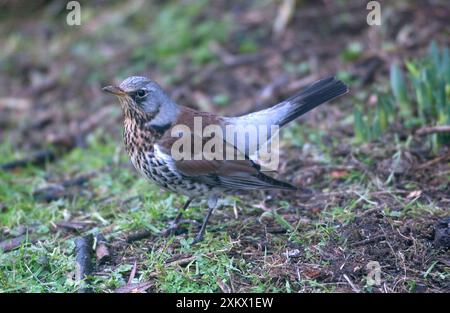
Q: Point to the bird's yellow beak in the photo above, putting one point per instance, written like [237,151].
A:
[117,91]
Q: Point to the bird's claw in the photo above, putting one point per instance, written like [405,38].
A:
[174,225]
[197,239]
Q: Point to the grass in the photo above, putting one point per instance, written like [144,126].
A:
[47,266]
[421,97]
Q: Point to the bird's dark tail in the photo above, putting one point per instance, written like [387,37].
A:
[275,183]
[279,115]
[320,92]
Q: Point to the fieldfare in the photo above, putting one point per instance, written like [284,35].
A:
[152,123]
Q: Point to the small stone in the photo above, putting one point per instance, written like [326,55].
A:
[442,233]
[295,253]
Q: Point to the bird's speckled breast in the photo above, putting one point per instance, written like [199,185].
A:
[139,145]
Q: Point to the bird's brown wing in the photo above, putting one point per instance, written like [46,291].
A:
[237,173]
[234,174]
[229,174]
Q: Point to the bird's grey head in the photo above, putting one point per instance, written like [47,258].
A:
[141,95]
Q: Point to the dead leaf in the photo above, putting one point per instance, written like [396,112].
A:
[311,272]
[133,273]
[338,174]
[134,288]
[224,287]
[414,194]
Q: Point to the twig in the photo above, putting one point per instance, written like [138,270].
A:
[268,91]
[78,130]
[132,273]
[229,62]
[368,240]
[295,85]
[139,236]
[48,84]
[368,212]
[58,191]
[101,250]
[354,288]
[434,161]
[37,158]
[64,142]
[224,287]
[134,288]
[13,243]
[426,130]
[73,226]
[285,13]
[183,261]
[166,232]
[83,265]
[235,210]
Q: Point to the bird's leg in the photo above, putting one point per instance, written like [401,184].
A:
[174,224]
[181,211]
[212,203]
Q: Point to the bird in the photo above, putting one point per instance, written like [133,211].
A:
[150,117]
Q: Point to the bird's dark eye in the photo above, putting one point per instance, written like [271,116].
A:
[141,93]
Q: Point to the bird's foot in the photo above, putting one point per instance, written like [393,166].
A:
[197,239]
[169,231]
[175,225]
[212,202]
[199,236]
